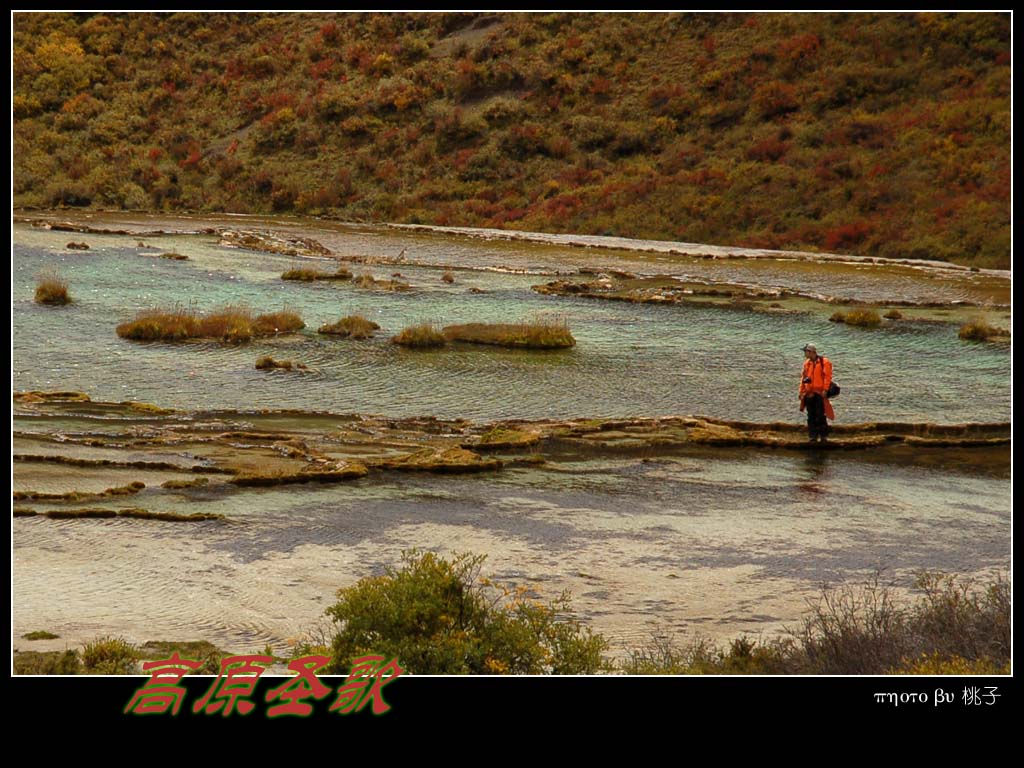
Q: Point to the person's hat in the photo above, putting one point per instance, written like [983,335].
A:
[810,348]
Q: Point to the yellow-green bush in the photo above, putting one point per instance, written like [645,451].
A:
[422,336]
[440,616]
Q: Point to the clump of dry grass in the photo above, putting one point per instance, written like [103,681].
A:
[976,330]
[180,484]
[77,246]
[893,314]
[309,275]
[351,327]
[233,323]
[284,321]
[40,634]
[51,288]
[267,363]
[422,336]
[862,318]
[173,256]
[955,626]
[448,277]
[370,282]
[549,334]
[110,656]
[301,274]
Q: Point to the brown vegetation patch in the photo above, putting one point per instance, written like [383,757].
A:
[233,323]
[442,461]
[77,462]
[77,246]
[862,318]
[73,514]
[171,256]
[156,410]
[977,330]
[174,485]
[309,275]
[35,396]
[173,517]
[422,336]
[545,335]
[351,471]
[893,314]
[136,513]
[51,288]
[499,437]
[273,323]
[267,363]
[351,327]
[124,490]
[40,634]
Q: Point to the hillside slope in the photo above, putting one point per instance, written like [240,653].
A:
[876,134]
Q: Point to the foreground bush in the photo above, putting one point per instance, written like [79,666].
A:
[232,323]
[743,656]
[422,336]
[550,335]
[47,663]
[438,616]
[955,627]
[109,656]
[936,664]
[114,656]
[51,288]
[351,327]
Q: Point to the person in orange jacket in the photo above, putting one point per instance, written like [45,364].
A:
[814,385]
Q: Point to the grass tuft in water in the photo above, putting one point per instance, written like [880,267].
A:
[232,323]
[51,288]
[422,336]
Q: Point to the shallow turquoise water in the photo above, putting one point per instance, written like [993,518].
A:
[630,359]
[710,545]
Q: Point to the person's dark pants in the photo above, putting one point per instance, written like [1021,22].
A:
[817,424]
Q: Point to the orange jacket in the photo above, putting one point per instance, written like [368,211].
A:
[819,371]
